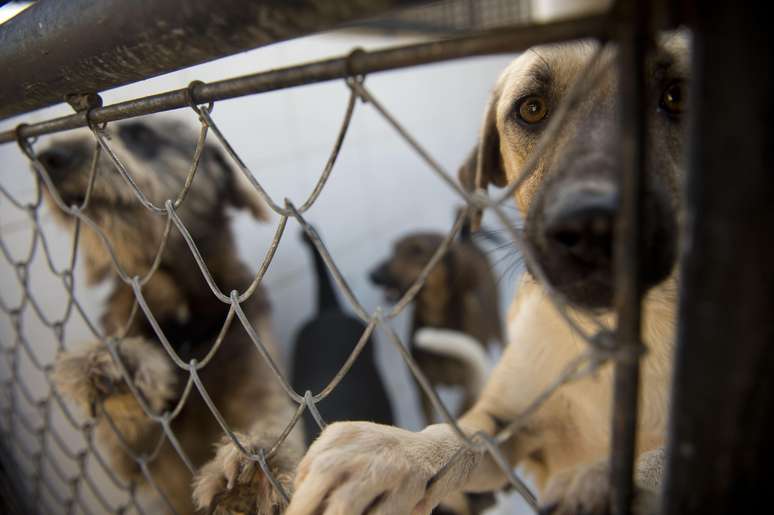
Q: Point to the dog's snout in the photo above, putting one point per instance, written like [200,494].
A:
[380,275]
[581,224]
[56,159]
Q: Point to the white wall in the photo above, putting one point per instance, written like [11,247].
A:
[380,189]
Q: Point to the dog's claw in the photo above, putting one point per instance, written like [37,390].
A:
[89,375]
[230,482]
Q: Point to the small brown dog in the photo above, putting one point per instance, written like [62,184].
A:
[460,295]
[237,378]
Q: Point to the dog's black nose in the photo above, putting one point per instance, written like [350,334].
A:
[581,225]
[380,275]
[56,159]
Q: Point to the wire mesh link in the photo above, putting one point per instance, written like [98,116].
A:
[600,348]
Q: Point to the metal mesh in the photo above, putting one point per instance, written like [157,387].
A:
[25,412]
[457,15]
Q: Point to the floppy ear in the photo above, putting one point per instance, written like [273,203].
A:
[240,192]
[484,165]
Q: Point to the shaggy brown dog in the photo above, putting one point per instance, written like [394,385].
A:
[237,379]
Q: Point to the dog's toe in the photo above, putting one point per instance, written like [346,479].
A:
[234,482]
[585,490]
[90,373]
[580,491]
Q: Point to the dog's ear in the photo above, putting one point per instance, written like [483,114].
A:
[484,165]
[240,192]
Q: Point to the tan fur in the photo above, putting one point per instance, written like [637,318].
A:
[565,444]
[237,379]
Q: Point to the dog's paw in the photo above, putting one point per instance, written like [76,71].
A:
[361,467]
[89,375]
[585,490]
[232,482]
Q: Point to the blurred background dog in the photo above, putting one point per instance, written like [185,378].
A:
[322,347]
[237,379]
[456,312]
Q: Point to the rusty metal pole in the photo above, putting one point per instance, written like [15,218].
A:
[359,62]
[55,48]
[633,37]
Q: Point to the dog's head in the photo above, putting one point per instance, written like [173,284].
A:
[409,257]
[571,201]
[158,156]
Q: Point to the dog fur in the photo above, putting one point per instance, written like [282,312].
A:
[459,295]
[359,468]
[158,155]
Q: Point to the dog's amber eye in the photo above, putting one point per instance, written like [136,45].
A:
[673,98]
[532,109]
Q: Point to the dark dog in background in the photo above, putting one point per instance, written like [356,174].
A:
[237,379]
[460,295]
[322,347]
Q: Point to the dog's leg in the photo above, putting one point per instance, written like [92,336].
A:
[260,410]
[357,465]
[428,410]
[354,465]
[585,490]
[90,377]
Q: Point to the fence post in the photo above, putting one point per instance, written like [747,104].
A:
[56,48]
[721,443]
[633,34]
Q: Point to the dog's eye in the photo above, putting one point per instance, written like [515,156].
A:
[140,139]
[532,109]
[415,250]
[673,98]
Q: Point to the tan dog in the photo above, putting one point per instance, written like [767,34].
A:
[237,378]
[570,206]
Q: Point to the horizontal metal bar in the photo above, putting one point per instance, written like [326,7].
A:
[57,48]
[357,63]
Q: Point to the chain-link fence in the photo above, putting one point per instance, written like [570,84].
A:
[456,16]
[26,412]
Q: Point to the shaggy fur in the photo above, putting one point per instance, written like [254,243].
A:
[237,379]
[359,468]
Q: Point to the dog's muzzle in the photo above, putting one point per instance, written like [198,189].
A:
[580,223]
[573,229]
[381,277]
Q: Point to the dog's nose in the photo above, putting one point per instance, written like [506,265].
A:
[56,159]
[380,275]
[581,225]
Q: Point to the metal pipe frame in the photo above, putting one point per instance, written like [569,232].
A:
[357,63]
[57,48]
[634,36]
